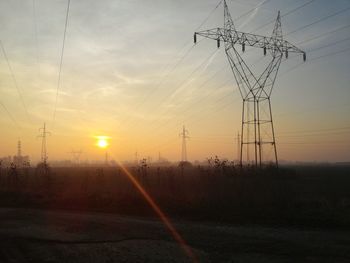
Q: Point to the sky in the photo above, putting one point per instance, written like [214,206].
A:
[131,72]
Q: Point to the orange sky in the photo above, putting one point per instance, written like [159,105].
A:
[130,72]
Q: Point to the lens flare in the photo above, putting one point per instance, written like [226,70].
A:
[161,215]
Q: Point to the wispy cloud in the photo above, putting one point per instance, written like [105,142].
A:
[250,17]
[191,80]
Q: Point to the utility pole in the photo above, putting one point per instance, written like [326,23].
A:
[255,89]
[42,135]
[184,136]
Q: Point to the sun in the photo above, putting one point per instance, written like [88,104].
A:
[102,141]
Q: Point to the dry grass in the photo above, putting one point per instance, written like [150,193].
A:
[300,196]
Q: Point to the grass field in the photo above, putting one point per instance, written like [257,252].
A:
[302,196]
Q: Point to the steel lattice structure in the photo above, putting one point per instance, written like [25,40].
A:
[255,89]
[184,136]
[43,135]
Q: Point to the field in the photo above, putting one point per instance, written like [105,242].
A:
[305,196]
[225,214]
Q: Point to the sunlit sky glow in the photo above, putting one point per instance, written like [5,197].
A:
[123,77]
[102,141]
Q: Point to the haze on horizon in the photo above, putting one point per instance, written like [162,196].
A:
[123,76]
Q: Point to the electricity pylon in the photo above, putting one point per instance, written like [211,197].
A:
[19,149]
[255,89]
[42,135]
[238,146]
[76,156]
[184,136]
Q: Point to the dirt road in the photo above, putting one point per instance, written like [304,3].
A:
[29,235]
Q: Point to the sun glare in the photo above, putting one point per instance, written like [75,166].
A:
[102,141]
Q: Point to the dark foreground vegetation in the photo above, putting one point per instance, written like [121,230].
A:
[303,196]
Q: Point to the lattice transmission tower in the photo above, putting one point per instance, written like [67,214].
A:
[43,134]
[76,156]
[184,136]
[257,126]
[19,148]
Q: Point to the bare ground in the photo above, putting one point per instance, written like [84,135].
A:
[29,235]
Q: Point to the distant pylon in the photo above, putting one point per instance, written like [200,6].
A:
[76,156]
[257,125]
[19,149]
[136,158]
[238,146]
[184,136]
[42,135]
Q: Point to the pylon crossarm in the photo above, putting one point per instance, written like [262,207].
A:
[247,39]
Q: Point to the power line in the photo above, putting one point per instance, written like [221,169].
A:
[315,22]
[10,115]
[330,54]
[191,74]
[283,15]
[61,62]
[176,124]
[319,20]
[212,112]
[158,128]
[318,130]
[339,133]
[251,10]
[14,79]
[162,126]
[182,58]
[313,59]
[300,134]
[225,139]
[208,59]
[319,36]
[297,8]
[324,34]
[317,143]
[324,131]
[43,134]
[210,14]
[215,90]
[185,55]
[310,133]
[329,45]
[165,76]
[325,46]
[208,95]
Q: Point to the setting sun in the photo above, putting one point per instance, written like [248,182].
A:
[102,141]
